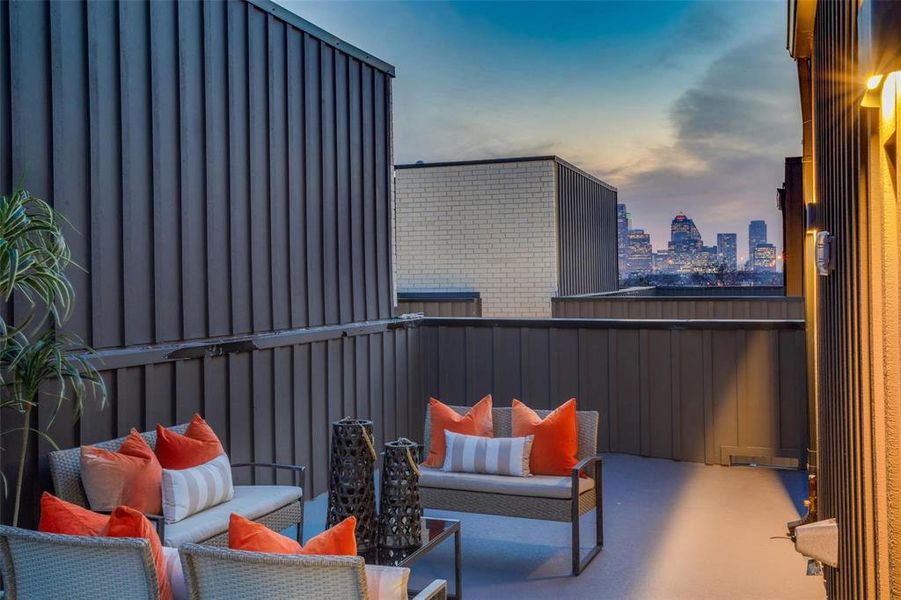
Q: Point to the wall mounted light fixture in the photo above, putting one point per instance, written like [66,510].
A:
[825,253]
[872,96]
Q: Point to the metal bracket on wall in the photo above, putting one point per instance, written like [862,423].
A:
[213,350]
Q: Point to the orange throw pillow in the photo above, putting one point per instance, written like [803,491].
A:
[129,477]
[477,421]
[244,534]
[197,446]
[128,523]
[59,516]
[556,444]
[340,540]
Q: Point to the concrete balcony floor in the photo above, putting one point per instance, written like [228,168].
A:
[672,530]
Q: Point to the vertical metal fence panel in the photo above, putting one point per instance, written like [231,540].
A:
[703,391]
[239,168]
[192,165]
[166,222]
[586,210]
[137,238]
[216,132]
[278,174]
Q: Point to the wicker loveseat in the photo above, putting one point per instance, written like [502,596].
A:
[276,506]
[39,565]
[542,497]
[222,574]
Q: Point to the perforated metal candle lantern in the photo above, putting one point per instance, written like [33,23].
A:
[351,484]
[400,512]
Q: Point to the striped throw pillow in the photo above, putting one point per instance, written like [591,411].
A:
[387,583]
[189,491]
[496,456]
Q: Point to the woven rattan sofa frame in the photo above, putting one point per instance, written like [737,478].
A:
[545,509]
[221,574]
[65,472]
[49,565]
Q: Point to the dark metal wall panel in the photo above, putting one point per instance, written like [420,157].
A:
[227,168]
[441,308]
[210,156]
[794,228]
[639,307]
[847,482]
[586,233]
[272,404]
[703,391]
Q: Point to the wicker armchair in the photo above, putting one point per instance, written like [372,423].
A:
[542,497]
[220,574]
[39,566]
[275,506]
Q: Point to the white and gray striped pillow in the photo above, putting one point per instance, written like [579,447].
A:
[387,583]
[189,491]
[496,456]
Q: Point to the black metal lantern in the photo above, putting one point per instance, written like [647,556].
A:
[351,488]
[400,512]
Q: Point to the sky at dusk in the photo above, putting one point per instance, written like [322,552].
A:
[683,106]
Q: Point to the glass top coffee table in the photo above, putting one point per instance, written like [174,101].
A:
[434,531]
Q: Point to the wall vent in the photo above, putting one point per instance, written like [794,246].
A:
[772,462]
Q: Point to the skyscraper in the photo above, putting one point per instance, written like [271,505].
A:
[726,250]
[685,243]
[640,252]
[764,258]
[756,235]
[622,237]
[683,233]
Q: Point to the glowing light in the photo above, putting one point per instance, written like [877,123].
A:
[874,81]
[871,98]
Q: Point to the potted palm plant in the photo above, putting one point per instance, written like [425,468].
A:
[39,362]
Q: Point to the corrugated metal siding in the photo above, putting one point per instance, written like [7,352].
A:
[637,307]
[845,477]
[586,234]
[228,172]
[794,228]
[697,391]
[441,308]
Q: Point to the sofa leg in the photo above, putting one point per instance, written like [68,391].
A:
[579,563]
[576,546]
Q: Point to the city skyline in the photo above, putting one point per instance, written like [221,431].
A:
[688,107]
[693,233]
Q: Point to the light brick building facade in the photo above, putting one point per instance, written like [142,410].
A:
[501,228]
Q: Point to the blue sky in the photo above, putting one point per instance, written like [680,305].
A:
[686,106]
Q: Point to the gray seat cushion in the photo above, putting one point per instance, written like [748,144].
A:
[251,501]
[537,486]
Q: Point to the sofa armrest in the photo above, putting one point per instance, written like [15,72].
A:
[583,465]
[159,521]
[298,471]
[585,462]
[437,590]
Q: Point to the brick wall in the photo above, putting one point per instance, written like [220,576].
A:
[483,227]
